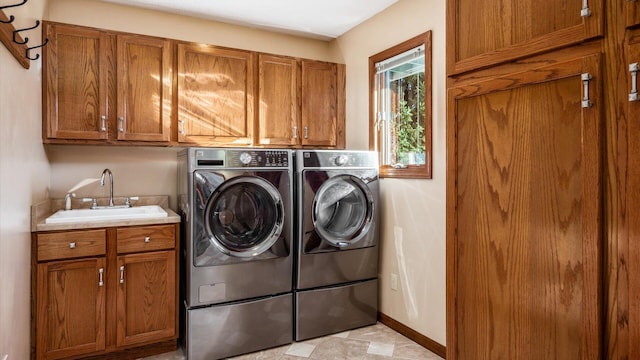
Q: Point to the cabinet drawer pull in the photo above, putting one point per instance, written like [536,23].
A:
[585,9]
[122,274]
[295,132]
[72,245]
[181,127]
[103,123]
[121,124]
[147,239]
[633,69]
[306,132]
[100,272]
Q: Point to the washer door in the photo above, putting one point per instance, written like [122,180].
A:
[244,216]
[342,210]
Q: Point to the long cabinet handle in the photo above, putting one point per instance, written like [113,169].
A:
[100,277]
[295,132]
[306,132]
[181,127]
[103,123]
[586,101]
[633,70]
[122,274]
[121,124]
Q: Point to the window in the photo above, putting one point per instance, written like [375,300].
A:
[400,108]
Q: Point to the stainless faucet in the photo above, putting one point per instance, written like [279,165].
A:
[110,185]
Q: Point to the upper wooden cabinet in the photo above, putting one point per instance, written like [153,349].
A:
[215,95]
[494,31]
[323,104]
[144,88]
[301,102]
[78,65]
[632,12]
[101,86]
[278,101]
[108,87]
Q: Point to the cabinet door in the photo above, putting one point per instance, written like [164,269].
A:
[320,103]
[70,308]
[215,95]
[77,67]
[630,274]
[495,31]
[632,12]
[278,107]
[144,88]
[524,222]
[146,300]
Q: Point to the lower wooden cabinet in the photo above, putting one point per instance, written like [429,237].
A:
[146,290]
[70,308]
[104,292]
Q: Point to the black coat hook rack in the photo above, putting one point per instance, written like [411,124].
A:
[11,38]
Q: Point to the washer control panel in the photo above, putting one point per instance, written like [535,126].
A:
[257,158]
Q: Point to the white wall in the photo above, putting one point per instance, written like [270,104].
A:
[413,211]
[24,178]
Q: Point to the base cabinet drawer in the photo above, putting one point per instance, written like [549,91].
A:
[146,238]
[71,244]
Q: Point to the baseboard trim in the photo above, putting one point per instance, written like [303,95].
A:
[430,344]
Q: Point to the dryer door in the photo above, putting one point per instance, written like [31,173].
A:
[342,210]
[244,216]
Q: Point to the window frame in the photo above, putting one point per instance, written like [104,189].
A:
[411,171]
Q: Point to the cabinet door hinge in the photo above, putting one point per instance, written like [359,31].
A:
[586,78]
[585,9]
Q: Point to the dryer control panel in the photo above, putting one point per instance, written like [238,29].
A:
[338,159]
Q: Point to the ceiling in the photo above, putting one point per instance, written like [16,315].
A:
[320,19]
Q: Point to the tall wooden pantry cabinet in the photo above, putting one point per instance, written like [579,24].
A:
[543,180]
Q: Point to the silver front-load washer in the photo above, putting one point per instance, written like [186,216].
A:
[237,258]
[336,286]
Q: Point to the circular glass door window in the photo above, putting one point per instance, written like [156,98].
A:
[342,210]
[244,216]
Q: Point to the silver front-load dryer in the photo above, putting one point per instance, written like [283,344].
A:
[337,247]
[237,214]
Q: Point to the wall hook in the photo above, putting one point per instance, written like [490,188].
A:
[46,41]
[11,17]
[26,39]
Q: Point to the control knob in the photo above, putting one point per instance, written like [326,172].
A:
[341,160]
[245,158]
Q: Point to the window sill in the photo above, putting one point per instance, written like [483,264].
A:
[410,172]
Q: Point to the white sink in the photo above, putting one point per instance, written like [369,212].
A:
[85,215]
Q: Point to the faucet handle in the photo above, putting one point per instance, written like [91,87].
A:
[67,200]
[129,199]
[93,201]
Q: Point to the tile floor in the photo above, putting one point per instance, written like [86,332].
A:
[375,342]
